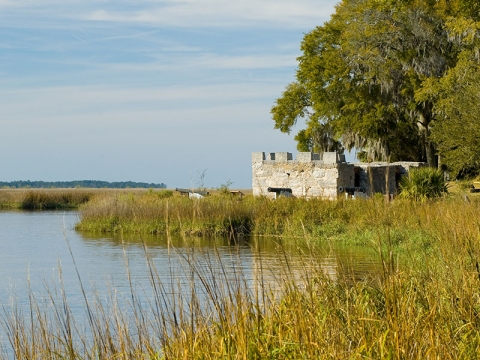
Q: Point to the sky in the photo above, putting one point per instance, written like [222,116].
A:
[158,91]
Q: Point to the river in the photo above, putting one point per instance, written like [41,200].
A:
[41,252]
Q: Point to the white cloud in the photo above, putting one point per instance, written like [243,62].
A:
[222,13]
[176,61]
[51,104]
[247,62]
[207,61]
[179,13]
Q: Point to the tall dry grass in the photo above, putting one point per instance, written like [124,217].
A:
[57,199]
[214,215]
[44,199]
[152,213]
[424,304]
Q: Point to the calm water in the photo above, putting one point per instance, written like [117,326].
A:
[37,247]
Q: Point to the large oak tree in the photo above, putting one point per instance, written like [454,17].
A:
[371,78]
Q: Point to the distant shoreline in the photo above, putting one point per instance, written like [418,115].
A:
[88,184]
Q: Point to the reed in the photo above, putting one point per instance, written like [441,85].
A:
[214,215]
[424,303]
[149,213]
[57,199]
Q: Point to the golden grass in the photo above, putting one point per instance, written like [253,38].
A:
[153,213]
[424,304]
[55,199]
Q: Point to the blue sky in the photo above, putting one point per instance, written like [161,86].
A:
[145,90]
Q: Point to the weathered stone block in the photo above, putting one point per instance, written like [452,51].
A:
[283,156]
[258,157]
[330,157]
[306,157]
[318,173]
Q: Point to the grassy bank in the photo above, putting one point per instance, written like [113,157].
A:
[44,199]
[424,304]
[154,213]
[54,199]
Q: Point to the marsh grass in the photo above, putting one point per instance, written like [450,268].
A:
[423,304]
[351,221]
[60,199]
[45,199]
[215,215]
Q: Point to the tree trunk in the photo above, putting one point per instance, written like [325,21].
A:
[432,158]
[430,151]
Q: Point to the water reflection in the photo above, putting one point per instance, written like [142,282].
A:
[34,245]
[269,260]
[44,248]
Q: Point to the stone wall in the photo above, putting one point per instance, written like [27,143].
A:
[309,175]
[321,175]
[382,177]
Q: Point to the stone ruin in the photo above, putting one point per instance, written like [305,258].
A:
[325,175]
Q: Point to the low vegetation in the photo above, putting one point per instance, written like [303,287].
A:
[157,213]
[424,303]
[56,199]
[422,184]
[45,199]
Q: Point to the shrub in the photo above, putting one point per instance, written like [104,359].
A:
[422,184]
[164,194]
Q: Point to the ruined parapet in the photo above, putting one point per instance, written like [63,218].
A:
[309,175]
[321,175]
[405,166]
[307,156]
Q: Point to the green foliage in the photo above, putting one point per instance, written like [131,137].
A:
[368,78]
[224,189]
[290,107]
[422,184]
[457,130]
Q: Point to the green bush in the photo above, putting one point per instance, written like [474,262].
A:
[422,184]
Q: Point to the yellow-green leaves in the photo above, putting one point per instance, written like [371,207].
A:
[292,105]
[376,76]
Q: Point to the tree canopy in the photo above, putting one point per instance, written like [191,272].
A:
[379,76]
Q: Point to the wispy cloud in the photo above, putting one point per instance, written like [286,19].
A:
[161,64]
[179,13]
[207,62]
[221,13]
[68,98]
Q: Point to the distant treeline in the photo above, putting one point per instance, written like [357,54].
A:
[97,184]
